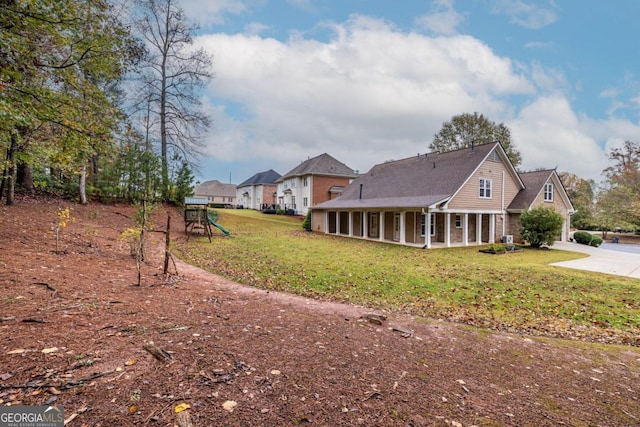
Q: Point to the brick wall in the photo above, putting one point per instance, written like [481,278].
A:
[321,186]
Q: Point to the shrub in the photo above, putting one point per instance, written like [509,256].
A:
[583,237]
[595,241]
[306,224]
[540,226]
[497,247]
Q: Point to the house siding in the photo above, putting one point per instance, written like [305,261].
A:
[559,206]
[318,220]
[469,195]
[321,185]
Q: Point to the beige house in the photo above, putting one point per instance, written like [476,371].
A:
[470,196]
[216,192]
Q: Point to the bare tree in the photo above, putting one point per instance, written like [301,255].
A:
[173,74]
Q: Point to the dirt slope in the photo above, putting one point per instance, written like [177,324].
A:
[74,328]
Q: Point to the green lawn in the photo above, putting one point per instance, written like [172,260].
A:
[516,292]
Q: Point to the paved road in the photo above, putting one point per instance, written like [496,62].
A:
[610,258]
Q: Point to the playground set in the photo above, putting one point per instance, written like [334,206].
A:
[197,216]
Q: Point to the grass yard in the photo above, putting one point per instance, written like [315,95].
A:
[518,292]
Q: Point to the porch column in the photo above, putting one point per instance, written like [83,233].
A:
[478,229]
[337,222]
[381,225]
[465,229]
[350,224]
[325,227]
[427,230]
[365,225]
[447,229]
[492,228]
[403,238]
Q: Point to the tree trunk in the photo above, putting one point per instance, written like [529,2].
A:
[94,170]
[11,172]
[25,177]
[167,244]
[83,185]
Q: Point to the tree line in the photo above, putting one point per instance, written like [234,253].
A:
[100,99]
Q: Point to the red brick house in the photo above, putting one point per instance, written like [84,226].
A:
[313,181]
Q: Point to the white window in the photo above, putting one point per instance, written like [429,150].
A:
[458,221]
[432,230]
[305,201]
[548,192]
[485,188]
[305,181]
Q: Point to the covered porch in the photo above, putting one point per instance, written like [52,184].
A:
[423,228]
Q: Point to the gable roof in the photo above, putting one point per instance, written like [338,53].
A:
[420,181]
[534,184]
[323,164]
[215,188]
[266,177]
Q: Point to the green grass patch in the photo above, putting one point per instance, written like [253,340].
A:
[520,292]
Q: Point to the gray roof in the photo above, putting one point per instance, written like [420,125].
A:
[534,182]
[418,181]
[323,164]
[266,177]
[215,188]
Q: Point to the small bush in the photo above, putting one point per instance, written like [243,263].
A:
[583,237]
[497,247]
[306,224]
[540,226]
[595,241]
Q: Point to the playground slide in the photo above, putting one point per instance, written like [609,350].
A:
[221,228]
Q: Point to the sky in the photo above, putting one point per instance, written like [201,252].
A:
[368,81]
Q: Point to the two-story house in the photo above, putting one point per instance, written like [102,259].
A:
[314,181]
[260,191]
[470,196]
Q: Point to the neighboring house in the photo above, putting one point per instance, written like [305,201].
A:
[216,192]
[470,196]
[259,191]
[314,181]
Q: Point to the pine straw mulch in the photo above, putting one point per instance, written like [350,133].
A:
[76,331]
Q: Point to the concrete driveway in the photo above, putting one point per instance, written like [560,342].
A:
[610,258]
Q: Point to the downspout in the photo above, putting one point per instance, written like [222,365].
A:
[504,215]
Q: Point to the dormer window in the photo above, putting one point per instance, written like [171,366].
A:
[548,192]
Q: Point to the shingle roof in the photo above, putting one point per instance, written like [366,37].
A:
[215,188]
[323,164]
[266,177]
[533,181]
[417,181]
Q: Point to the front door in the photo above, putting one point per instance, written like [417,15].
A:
[373,224]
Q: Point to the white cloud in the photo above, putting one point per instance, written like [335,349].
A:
[527,14]
[255,28]
[443,18]
[370,94]
[548,79]
[548,133]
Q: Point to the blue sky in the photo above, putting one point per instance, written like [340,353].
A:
[373,80]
